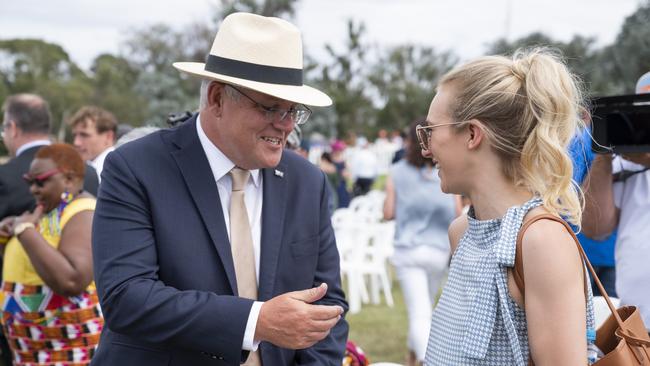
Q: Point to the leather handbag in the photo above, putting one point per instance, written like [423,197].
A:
[623,338]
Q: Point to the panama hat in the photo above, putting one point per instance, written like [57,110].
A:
[259,53]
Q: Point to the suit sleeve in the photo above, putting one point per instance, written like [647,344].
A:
[4,199]
[329,351]
[135,302]
[91,181]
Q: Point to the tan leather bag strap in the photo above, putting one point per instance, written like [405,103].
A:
[518,273]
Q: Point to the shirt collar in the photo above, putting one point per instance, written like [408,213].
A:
[219,162]
[100,158]
[31,144]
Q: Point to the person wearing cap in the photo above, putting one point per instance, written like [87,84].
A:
[623,200]
[212,245]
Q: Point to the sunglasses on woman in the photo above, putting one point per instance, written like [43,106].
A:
[40,179]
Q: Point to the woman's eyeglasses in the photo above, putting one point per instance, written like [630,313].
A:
[40,179]
[424,133]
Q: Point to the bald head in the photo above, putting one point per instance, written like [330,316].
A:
[29,112]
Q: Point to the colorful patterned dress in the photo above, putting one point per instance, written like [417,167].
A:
[42,327]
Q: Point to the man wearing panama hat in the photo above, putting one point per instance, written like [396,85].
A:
[212,246]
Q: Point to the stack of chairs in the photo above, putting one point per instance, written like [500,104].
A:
[365,243]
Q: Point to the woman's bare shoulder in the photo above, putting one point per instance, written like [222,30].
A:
[456,230]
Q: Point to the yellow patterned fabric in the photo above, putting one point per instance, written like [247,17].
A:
[17,266]
[41,326]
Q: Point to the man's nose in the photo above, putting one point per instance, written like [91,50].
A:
[286,124]
[76,141]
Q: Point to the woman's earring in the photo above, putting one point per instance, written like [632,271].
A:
[66,196]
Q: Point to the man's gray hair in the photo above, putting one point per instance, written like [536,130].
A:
[203,95]
[135,134]
[205,85]
[30,113]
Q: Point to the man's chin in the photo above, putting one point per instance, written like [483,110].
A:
[272,160]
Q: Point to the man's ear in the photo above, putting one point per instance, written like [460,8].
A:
[476,134]
[112,136]
[215,97]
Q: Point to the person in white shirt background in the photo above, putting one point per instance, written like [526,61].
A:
[624,202]
[94,130]
[363,166]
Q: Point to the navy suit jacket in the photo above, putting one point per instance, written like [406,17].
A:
[163,265]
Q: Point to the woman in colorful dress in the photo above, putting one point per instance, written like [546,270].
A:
[50,311]
[498,130]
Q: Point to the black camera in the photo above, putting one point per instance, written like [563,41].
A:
[174,119]
[621,124]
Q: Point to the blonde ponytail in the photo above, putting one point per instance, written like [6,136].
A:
[530,105]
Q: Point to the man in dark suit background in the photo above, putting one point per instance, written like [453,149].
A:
[183,275]
[25,129]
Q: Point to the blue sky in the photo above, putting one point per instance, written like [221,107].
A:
[87,28]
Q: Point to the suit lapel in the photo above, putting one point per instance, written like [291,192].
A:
[194,166]
[273,207]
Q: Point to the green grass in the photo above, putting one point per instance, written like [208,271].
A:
[381,330]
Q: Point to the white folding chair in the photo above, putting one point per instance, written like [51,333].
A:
[601,310]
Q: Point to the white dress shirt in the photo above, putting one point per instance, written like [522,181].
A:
[253,194]
[98,162]
[32,144]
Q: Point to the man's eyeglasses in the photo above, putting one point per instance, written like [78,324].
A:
[298,113]
[424,133]
[40,179]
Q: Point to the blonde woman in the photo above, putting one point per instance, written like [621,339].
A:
[498,129]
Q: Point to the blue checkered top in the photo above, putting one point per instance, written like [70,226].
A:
[476,322]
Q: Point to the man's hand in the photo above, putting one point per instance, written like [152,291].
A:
[291,321]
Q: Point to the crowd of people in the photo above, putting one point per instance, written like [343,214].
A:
[211,244]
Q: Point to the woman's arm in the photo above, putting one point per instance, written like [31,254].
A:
[68,270]
[389,201]
[555,295]
[600,216]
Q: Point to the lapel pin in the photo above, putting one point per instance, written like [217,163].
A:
[279,173]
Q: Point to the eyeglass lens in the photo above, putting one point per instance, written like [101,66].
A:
[299,113]
[423,137]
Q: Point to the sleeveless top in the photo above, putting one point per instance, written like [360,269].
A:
[423,212]
[476,322]
[41,326]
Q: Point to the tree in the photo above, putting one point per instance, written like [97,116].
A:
[629,57]
[36,66]
[405,78]
[114,81]
[345,79]
[151,52]
[580,54]
[269,8]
